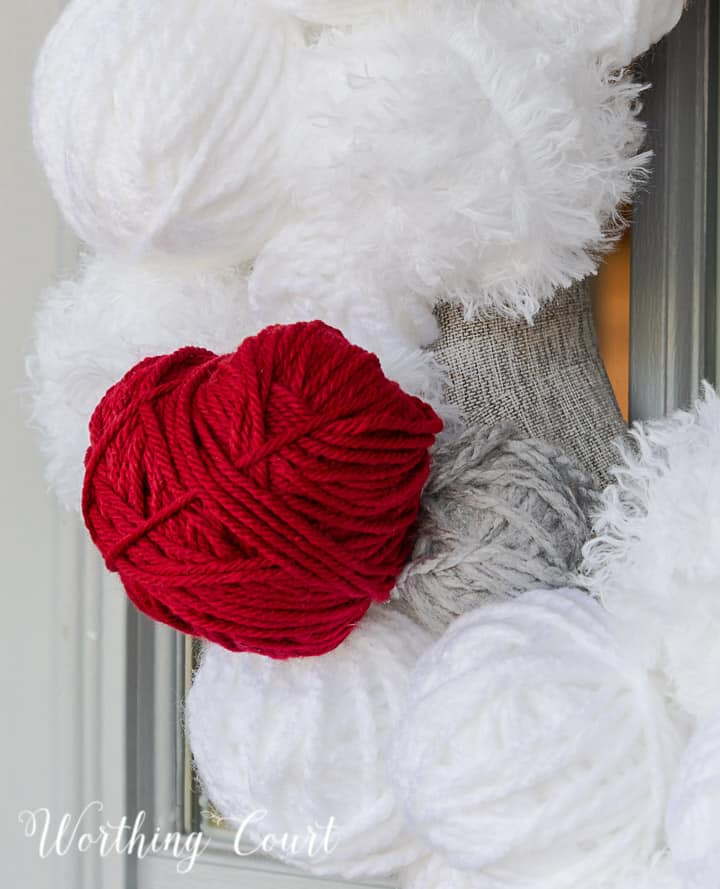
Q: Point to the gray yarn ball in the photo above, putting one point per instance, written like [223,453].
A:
[502,514]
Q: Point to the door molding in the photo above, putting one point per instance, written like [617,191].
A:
[674,304]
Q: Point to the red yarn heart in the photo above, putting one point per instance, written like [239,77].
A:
[261,500]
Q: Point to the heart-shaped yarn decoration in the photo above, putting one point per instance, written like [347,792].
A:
[263,499]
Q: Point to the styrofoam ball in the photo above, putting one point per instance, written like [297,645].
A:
[333,12]
[655,557]
[495,198]
[161,125]
[618,30]
[535,747]
[434,873]
[304,741]
[693,815]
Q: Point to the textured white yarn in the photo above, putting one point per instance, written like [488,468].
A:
[161,126]
[618,30]
[659,875]
[693,815]
[300,276]
[345,154]
[495,197]
[90,331]
[434,873]
[655,559]
[305,740]
[535,748]
[333,12]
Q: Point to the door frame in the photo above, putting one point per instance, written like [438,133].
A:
[674,332]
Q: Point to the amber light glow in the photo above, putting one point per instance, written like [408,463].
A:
[611,306]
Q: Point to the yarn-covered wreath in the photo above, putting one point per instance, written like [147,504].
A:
[274,196]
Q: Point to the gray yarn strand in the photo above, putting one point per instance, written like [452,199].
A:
[502,513]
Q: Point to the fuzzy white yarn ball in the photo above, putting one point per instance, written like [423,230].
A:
[534,748]
[693,816]
[494,198]
[299,276]
[89,331]
[434,873]
[655,558]
[304,741]
[161,125]
[617,30]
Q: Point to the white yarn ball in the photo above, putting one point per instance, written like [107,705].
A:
[304,741]
[617,30]
[535,748]
[655,559]
[434,873]
[495,197]
[693,815]
[161,126]
[300,276]
[333,12]
[88,332]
